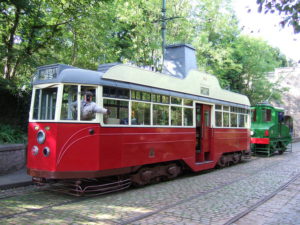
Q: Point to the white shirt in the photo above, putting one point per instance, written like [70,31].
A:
[88,110]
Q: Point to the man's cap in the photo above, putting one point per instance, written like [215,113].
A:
[88,93]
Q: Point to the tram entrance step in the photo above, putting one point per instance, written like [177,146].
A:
[204,162]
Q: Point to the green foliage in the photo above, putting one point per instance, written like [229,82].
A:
[289,9]
[86,33]
[29,30]
[11,135]
[255,58]
[240,62]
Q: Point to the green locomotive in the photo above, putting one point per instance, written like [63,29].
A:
[271,130]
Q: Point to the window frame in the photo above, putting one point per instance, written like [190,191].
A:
[98,117]
[57,103]
[232,110]
[152,103]
[99,101]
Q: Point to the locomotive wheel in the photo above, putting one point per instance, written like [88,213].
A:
[281,148]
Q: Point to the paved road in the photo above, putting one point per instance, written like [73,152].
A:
[208,198]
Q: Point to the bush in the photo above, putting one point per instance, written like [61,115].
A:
[11,135]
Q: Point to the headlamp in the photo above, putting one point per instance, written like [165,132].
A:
[41,137]
[46,151]
[34,150]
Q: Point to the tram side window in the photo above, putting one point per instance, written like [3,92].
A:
[140,113]
[218,116]
[36,104]
[176,116]
[113,92]
[160,114]
[45,104]
[226,116]
[160,98]
[246,121]
[188,102]
[188,117]
[176,100]
[241,120]
[233,120]
[225,119]
[267,115]
[69,103]
[86,112]
[118,111]
[139,95]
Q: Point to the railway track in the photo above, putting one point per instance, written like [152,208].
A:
[20,192]
[262,201]
[75,200]
[232,220]
[71,200]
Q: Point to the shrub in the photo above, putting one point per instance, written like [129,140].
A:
[11,135]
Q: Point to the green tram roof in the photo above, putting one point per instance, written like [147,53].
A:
[196,85]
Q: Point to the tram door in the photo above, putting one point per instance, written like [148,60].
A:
[203,122]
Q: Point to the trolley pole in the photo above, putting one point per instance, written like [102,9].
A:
[163,29]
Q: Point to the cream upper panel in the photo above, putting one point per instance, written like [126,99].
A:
[191,84]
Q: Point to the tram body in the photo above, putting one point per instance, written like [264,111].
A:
[158,125]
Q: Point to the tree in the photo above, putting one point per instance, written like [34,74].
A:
[216,29]
[30,27]
[86,33]
[241,63]
[255,59]
[289,9]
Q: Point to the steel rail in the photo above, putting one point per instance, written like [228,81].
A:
[262,201]
[223,185]
[134,219]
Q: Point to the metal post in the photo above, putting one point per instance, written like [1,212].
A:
[163,29]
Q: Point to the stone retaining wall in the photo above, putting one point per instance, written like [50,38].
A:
[296,139]
[12,157]
[289,77]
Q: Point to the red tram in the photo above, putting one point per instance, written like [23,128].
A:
[158,125]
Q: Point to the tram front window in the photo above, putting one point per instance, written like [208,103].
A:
[45,104]
[69,102]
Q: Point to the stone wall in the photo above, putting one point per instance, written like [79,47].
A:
[289,77]
[12,157]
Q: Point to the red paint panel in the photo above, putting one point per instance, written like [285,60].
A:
[78,147]
[89,147]
[39,161]
[227,140]
[264,141]
[123,147]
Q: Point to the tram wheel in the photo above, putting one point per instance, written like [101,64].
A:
[222,162]
[236,158]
